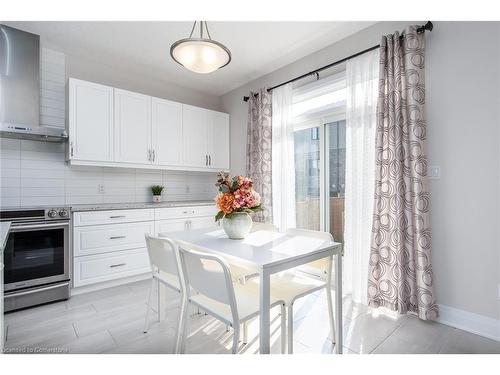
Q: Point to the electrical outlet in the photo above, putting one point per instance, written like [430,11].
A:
[100,188]
[434,172]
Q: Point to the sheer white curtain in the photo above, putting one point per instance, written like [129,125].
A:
[362,92]
[283,159]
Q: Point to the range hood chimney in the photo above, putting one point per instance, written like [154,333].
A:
[20,88]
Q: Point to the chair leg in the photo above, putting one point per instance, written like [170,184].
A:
[283,329]
[148,306]
[159,299]
[180,342]
[330,313]
[290,328]
[236,337]
[245,332]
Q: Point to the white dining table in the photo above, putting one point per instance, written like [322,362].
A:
[268,253]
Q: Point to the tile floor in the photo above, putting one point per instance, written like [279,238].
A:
[112,320]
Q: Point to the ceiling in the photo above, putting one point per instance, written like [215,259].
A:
[257,48]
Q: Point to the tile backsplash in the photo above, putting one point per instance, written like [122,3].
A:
[35,173]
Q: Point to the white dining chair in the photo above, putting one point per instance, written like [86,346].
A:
[208,284]
[294,284]
[165,269]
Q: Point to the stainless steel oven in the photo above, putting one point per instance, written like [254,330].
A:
[36,257]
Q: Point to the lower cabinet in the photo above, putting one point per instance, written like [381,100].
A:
[110,245]
[104,267]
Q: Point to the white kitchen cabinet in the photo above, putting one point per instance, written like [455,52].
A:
[218,140]
[100,239]
[206,138]
[109,245]
[106,267]
[132,127]
[166,127]
[112,216]
[111,127]
[90,121]
[194,136]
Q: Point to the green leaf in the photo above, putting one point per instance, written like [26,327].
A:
[219,215]
[224,189]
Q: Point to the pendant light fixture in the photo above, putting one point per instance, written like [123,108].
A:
[200,55]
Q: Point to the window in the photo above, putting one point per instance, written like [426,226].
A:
[319,142]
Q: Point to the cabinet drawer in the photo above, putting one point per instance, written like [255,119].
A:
[174,225]
[98,268]
[112,216]
[101,239]
[184,212]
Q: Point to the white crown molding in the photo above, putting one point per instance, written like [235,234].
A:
[474,323]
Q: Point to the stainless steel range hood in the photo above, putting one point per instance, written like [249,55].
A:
[20,88]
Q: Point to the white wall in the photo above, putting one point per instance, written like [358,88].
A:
[463,117]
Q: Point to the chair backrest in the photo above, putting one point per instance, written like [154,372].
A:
[162,254]
[209,275]
[320,264]
[263,226]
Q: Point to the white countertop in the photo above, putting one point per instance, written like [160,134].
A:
[4,233]
[125,206]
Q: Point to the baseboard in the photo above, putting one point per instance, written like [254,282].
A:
[474,323]
[109,284]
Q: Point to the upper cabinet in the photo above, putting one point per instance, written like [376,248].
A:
[205,138]
[90,121]
[218,139]
[114,127]
[194,136]
[166,132]
[132,127]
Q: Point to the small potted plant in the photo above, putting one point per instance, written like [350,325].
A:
[157,190]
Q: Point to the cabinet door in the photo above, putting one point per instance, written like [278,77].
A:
[90,121]
[132,127]
[172,225]
[218,140]
[166,132]
[194,136]
[203,222]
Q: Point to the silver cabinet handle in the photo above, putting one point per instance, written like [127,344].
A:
[117,265]
[117,237]
[71,148]
[154,156]
[206,159]
[117,217]
[149,155]
[188,212]
[209,160]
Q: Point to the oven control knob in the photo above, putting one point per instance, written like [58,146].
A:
[52,213]
[63,213]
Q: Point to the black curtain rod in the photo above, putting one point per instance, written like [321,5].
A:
[428,26]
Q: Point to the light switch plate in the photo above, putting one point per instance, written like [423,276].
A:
[100,188]
[434,172]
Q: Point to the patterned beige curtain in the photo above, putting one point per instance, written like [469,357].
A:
[259,146]
[400,270]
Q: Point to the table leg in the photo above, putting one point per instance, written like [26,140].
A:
[265,313]
[338,304]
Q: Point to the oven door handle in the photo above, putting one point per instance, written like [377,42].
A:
[38,226]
